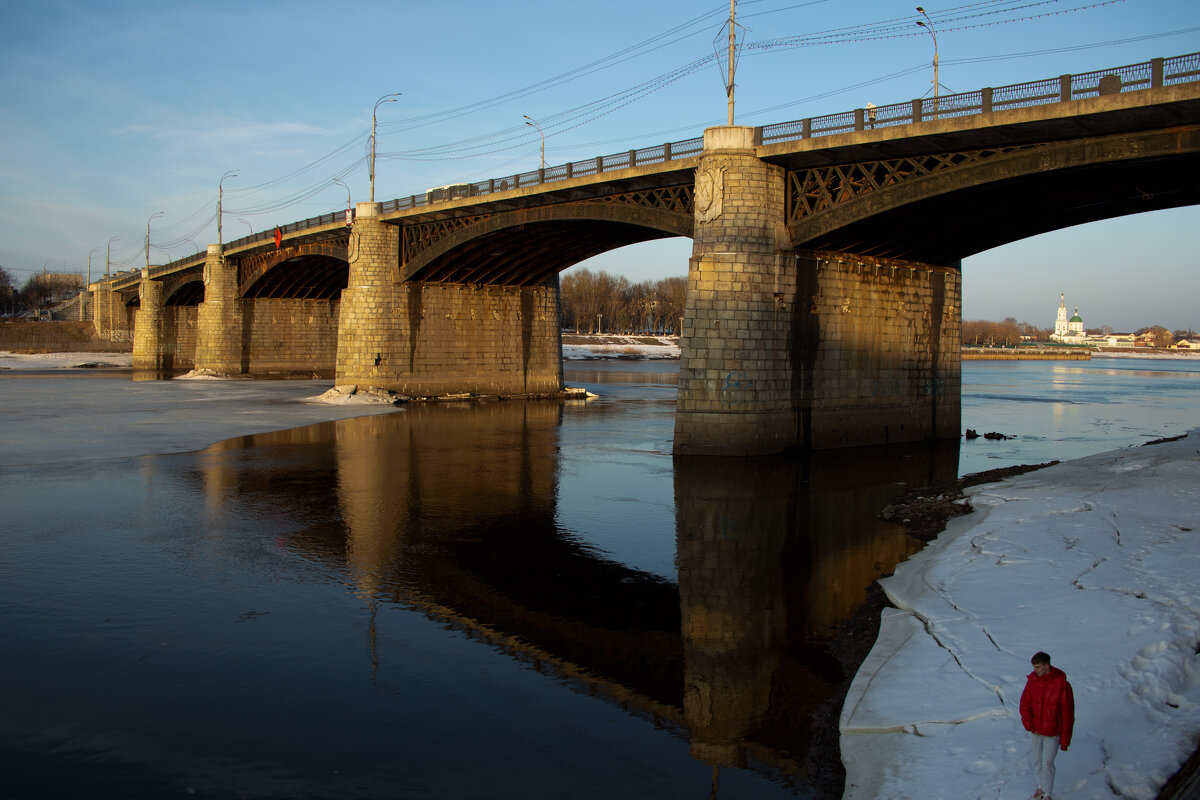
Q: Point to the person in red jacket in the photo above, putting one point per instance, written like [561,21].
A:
[1048,712]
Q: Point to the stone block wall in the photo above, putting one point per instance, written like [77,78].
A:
[736,376]
[113,319]
[165,340]
[432,339]
[451,338]
[878,349]
[297,337]
[220,345]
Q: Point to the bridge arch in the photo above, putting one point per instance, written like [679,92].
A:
[184,289]
[945,215]
[309,271]
[528,247]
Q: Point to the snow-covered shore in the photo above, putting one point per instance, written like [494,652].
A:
[1093,561]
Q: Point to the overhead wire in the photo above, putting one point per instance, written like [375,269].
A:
[511,138]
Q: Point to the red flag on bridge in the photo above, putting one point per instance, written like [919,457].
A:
[278,237]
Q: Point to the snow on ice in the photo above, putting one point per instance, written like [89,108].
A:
[1093,561]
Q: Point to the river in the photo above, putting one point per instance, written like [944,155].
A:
[502,600]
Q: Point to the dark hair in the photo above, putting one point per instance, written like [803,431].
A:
[1040,658]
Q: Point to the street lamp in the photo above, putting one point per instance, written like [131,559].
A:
[247,224]
[349,207]
[928,26]
[152,216]
[89,280]
[533,123]
[108,288]
[108,254]
[599,319]
[220,192]
[387,98]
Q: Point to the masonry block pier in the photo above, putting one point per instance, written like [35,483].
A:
[427,339]
[788,347]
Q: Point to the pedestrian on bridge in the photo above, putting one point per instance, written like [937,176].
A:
[871,114]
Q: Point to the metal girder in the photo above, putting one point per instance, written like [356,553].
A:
[418,238]
[814,190]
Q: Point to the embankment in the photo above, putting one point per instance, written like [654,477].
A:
[56,337]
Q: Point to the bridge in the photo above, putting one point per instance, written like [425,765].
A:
[823,303]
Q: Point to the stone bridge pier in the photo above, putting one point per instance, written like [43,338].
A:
[148,350]
[219,319]
[428,339]
[788,347]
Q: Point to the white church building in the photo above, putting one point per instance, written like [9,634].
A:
[1068,330]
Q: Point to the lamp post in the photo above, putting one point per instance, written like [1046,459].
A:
[152,216]
[349,207]
[89,280]
[387,98]
[599,319]
[533,123]
[108,255]
[928,26]
[247,224]
[220,192]
[108,288]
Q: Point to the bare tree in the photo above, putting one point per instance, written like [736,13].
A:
[47,288]
[8,292]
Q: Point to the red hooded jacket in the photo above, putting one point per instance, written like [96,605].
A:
[1048,706]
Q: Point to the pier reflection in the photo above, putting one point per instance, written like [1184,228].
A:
[452,510]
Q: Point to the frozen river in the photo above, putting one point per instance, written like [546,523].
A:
[494,600]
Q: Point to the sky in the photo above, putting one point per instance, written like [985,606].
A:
[112,112]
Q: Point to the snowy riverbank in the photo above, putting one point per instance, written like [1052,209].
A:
[1093,561]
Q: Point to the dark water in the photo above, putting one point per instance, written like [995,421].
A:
[1069,409]
[493,601]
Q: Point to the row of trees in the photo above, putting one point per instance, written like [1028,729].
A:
[1009,332]
[593,302]
[39,291]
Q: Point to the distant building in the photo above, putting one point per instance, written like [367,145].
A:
[1066,330]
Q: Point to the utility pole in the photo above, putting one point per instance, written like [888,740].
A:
[387,98]
[732,45]
[220,192]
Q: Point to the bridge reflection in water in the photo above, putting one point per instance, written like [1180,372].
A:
[453,511]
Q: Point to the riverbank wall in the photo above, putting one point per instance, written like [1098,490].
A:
[56,336]
[1025,354]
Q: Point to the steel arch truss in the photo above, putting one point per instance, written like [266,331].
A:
[315,271]
[811,191]
[418,238]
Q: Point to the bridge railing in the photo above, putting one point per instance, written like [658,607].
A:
[1148,74]
[1156,73]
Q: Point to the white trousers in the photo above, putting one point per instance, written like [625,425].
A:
[1045,748]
